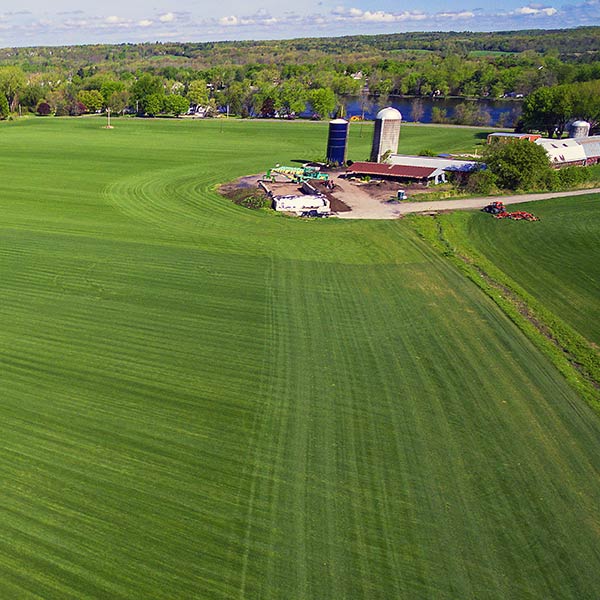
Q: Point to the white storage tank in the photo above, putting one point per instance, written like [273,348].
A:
[387,133]
[579,129]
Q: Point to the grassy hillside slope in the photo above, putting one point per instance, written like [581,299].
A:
[557,260]
[201,401]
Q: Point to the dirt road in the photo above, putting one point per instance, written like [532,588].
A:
[365,207]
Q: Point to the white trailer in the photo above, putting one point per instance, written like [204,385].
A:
[302,204]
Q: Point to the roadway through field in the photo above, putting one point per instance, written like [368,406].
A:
[365,207]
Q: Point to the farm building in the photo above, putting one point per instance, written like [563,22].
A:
[591,148]
[438,162]
[508,137]
[563,153]
[402,173]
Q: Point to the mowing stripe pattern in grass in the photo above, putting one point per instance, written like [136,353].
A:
[201,401]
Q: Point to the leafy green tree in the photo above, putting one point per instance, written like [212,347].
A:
[198,92]
[265,100]
[12,81]
[439,115]
[144,88]
[518,164]
[4,108]
[292,95]
[548,109]
[91,99]
[118,101]
[344,85]
[176,104]
[586,102]
[238,96]
[110,87]
[31,95]
[154,104]
[322,101]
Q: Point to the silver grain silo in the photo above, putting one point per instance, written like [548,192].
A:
[579,129]
[337,141]
[387,133]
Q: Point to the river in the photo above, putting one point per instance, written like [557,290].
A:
[502,112]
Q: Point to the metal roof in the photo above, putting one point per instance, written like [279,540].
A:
[515,135]
[592,149]
[437,162]
[565,150]
[385,170]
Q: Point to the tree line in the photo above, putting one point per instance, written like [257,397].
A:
[280,77]
[550,109]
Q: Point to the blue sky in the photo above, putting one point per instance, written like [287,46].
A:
[39,22]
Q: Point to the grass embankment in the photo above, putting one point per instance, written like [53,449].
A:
[545,276]
[203,401]
[557,260]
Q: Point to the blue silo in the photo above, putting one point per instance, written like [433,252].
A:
[338,141]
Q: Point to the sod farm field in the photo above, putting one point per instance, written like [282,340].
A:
[202,401]
[557,261]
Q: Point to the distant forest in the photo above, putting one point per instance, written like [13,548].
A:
[268,78]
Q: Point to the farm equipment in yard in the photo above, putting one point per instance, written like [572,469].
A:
[520,215]
[499,211]
[495,208]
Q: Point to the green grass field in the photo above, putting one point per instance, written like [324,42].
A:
[201,401]
[556,260]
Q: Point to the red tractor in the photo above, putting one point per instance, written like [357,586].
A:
[495,208]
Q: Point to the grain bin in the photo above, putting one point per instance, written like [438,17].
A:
[386,134]
[337,141]
[579,129]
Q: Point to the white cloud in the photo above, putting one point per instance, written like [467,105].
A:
[534,10]
[464,14]
[87,27]
[229,21]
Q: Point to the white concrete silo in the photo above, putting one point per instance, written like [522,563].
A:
[386,134]
[579,129]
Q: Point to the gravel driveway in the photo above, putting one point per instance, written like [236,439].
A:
[365,207]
